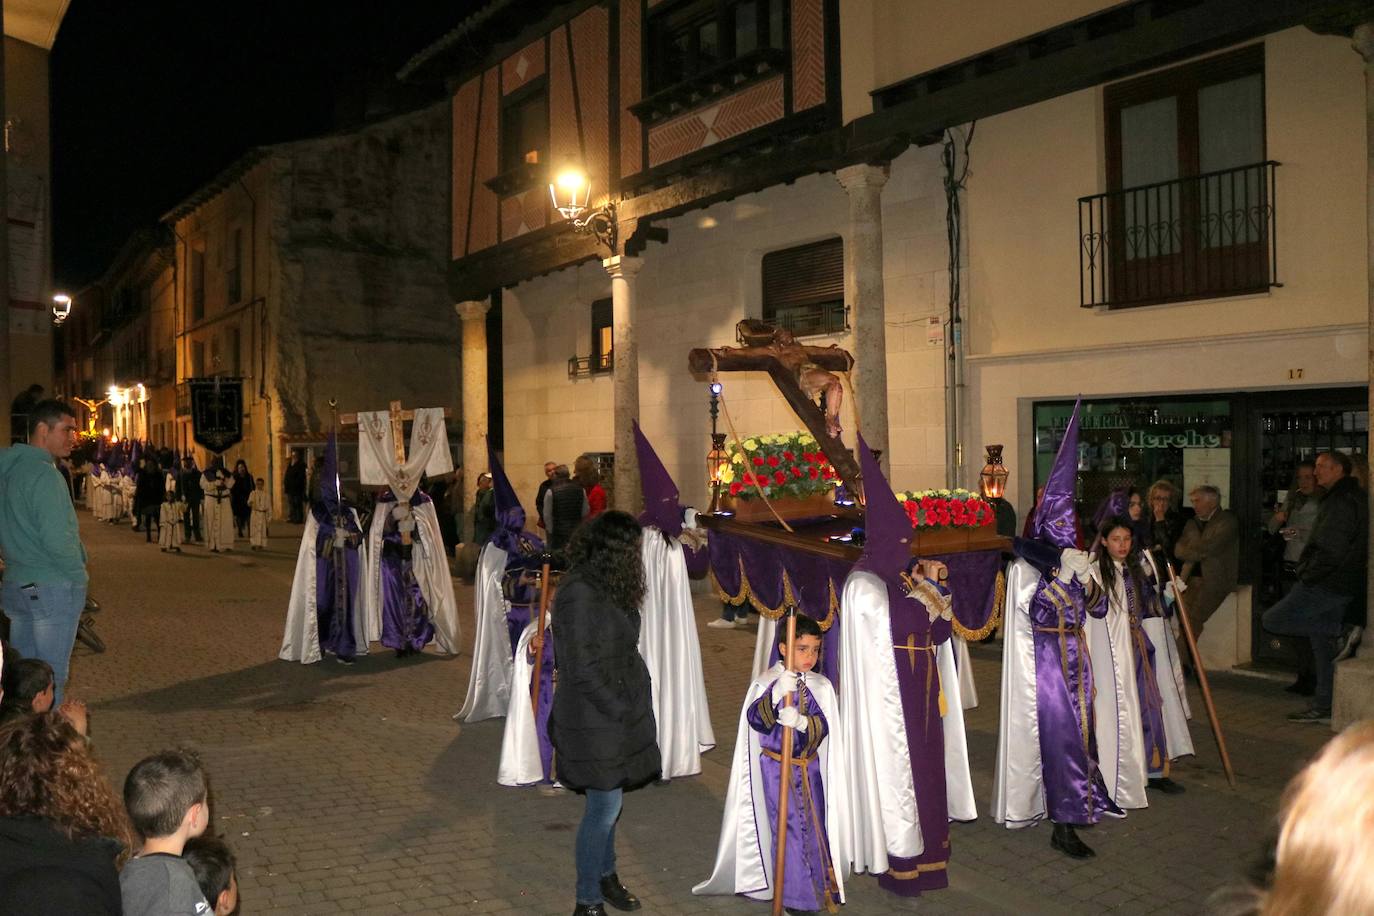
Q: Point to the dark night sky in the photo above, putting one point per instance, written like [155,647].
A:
[151,98]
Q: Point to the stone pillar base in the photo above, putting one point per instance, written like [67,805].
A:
[1354,699]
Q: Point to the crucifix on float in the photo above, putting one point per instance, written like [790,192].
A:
[801,373]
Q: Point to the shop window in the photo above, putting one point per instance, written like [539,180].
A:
[690,39]
[603,336]
[1189,210]
[803,288]
[525,128]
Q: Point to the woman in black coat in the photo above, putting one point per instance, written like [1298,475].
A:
[602,722]
[239,489]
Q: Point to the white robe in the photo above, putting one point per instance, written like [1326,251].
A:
[672,652]
[219,516]
[968,690]
[431,572]
[261,505]
[1116,699]
[881,792]
[95,496]
[1178,741]
[1018,787]
[301,641]
[490,678]
[744,855]
[520,763]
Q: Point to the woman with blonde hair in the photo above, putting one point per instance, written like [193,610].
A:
[1325,860]
[63,832]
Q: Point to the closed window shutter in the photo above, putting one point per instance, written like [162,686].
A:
[803,287]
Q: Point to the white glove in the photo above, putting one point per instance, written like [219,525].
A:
[790,718]
[784,685]
[689,519]
[1074,563]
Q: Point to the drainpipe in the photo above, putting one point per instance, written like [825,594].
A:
[955,180]
[261,345]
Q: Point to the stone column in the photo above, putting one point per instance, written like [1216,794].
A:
[474,316]
[863,286]
[625,350]
[1354,699]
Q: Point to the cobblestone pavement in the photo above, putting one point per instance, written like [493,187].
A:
[352,790]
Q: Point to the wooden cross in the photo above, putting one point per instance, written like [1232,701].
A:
[399,416]
[787,362]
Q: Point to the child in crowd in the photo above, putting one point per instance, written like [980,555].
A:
[260,505]
[168,804]
[213,863]
[29,690]
[790,694]
[169,523]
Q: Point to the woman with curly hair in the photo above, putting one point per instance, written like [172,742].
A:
[63,832]
[602,723]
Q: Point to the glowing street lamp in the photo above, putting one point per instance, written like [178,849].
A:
[571,193]
[993,478]
[61,307]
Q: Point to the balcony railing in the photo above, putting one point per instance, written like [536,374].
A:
[811,321]
[1201,237]
[583,366]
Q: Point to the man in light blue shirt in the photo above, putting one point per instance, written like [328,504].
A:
[44,588]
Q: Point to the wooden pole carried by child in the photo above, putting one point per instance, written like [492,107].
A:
[785,779]
[537,643]
[1201,675]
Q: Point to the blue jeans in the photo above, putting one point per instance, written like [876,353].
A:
[731,612]
[43,620]
[1314,612]
[595,850]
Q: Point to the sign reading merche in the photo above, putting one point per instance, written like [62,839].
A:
[216,412]
[1189,438]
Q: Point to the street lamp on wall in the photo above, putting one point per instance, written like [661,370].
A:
[61,307]
[571,192]
[993,478]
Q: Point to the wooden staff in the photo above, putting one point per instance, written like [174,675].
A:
[1201,675]
[538,641]
[785,779]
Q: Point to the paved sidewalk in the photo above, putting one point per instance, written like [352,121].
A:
[352,790]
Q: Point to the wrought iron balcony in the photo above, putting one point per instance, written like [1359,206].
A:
[583,366]
[1200,237]
[811,320]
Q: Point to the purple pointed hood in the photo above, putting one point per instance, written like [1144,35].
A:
[661,506]
[329,477]
[510,515]
[1055,521]
[887,530]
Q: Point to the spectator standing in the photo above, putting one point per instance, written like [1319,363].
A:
[565,506]
[168,804]
[1293,521]
[150,489]
[483,510]
[213,864]
[543,489]
[589,478]
[294,486]
[44,589]
[241,486]
[1166,521]
[191,490]
[63,832]
[1331,572]
[1210,550]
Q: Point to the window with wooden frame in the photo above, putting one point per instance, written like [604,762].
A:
[803,288]
[693,37]
[525,128]
[1189,210]
[603,337]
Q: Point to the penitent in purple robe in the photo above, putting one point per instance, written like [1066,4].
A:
[336,617]
[541,718]
[1074,790]
[406,622]
[915,639]
[808,881]
[1139,607]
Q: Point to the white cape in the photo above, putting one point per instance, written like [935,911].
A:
[744,855]
[490,679]
[520,763]
[1116,701]
[881,793]
[1178,741]
[1018,788]
[672,652]
[968,690]
[301,641]
[431,572]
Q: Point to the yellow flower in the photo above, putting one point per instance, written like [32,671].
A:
[750,445]
[727,475]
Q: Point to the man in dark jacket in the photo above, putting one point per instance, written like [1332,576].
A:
[150,489]
[295,489]
[1331,572]
[189,486]
[565,506]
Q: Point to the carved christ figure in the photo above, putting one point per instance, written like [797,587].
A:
[766,340]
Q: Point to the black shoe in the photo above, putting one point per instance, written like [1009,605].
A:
[1166,785]
[1348,643]
[1303,686]
[616,893]
[589,909]
[1065,839]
